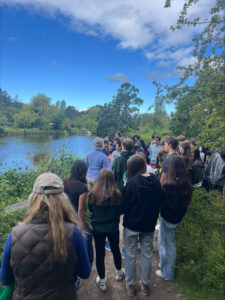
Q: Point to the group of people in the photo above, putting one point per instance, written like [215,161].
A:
[47,254]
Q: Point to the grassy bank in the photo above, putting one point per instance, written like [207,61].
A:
[10,131]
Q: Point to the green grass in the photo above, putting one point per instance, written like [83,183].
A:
[14,130]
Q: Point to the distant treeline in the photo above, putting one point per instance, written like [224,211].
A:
[200,111]
[122,114]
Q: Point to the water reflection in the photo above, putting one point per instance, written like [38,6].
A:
[27,151]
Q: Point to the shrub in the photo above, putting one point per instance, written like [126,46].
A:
[8,219]
[16,185]
[201,244]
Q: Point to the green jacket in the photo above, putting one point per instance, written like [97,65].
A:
[119,169]
[105,217]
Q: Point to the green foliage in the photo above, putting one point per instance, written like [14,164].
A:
[8,219]
[208,115]
[8,107]
[200,110]
[197,106]
[201,246]
[60,163]
[152,123]
[121,113]
[16,186]
[88,121]
[24,119]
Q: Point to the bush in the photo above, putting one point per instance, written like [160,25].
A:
[201,246]
[16,185]
[8,219]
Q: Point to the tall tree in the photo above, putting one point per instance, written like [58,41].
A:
[126,104]
[121,112]
[209,54]
[40,105]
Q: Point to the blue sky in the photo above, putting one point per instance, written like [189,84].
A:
[82,51]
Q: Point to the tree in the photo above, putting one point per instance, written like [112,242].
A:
[8,107]
[40,105]
[207,117]
[71,113]
[25,119]
[209,54]
[58,120]
[126,104]
[88,121]
[121,113]
[108,120]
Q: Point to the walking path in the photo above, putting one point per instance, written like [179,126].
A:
[159,289]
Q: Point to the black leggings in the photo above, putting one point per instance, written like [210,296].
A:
[100,238]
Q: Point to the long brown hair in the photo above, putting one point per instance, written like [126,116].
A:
[58,210]
[177,181]
[136,164]
[187,155]
[105,187]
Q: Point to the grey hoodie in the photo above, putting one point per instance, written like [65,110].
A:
[217,172]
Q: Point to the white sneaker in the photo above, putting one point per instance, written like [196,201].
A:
[120,274]
[158,273]
[157,227]
[101,283]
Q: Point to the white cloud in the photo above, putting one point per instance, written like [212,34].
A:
[135,24]
[158,75]
[55,63]
[118,77]
[13,39]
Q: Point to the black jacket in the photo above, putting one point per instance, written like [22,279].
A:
[119,169]
[142,201]
[173,208]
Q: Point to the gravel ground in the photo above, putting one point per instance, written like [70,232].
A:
[159,288]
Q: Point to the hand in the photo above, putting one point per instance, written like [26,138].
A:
[110,158]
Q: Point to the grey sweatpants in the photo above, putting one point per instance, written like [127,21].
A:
[130,239]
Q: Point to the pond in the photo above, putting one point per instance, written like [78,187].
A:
[26,151]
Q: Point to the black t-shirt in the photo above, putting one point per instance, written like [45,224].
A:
[74,191]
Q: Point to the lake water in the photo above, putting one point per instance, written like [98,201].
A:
[23,151]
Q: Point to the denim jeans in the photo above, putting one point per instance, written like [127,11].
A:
[167,248]
[131,239]
[88,242]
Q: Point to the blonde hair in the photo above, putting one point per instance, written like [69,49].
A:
[59,210]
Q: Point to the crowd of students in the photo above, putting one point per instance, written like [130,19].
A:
[46,255]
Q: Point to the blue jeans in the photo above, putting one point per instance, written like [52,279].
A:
[167,248]
[88,242]
[131,239]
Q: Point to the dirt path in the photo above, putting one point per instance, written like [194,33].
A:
[159,289]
